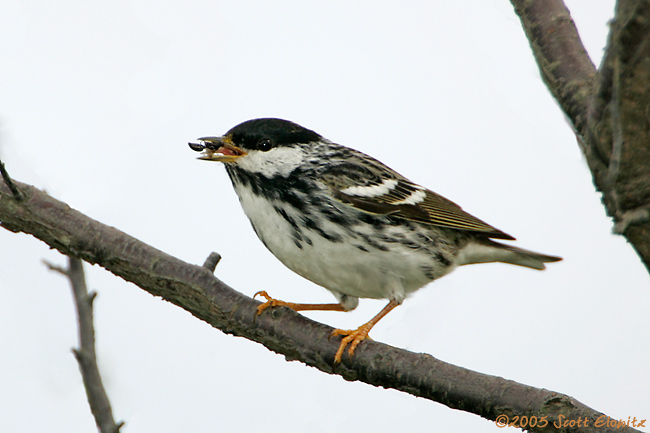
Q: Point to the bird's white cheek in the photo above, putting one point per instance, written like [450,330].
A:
[280,161]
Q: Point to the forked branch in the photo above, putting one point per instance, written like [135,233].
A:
[86,355]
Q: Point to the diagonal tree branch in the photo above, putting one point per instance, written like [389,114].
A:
[281,330]
[564,64]
[607,107]
[86,356]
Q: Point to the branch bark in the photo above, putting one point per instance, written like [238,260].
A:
[100,406]
[608,107]
[281,330]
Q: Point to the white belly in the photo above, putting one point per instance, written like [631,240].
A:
[339,266]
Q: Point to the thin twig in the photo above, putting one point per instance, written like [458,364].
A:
[10,183]
[86,356]
[212,261]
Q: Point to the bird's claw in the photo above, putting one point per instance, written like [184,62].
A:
[352,337]
[270,302]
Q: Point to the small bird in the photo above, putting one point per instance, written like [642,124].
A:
[347,222]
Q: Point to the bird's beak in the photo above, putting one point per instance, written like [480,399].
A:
[217,149]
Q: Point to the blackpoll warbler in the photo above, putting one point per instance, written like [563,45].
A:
[347,222]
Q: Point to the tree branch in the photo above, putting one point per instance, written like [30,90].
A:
[86,356]
[281,330]
[18,196]
[607,108]
[563,62]
[212,261]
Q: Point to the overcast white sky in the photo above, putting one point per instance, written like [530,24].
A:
[97,103]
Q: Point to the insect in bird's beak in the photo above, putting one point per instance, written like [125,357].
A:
[217,149]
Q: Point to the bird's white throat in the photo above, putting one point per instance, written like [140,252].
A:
[277,161]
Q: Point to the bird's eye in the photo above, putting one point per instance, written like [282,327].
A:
[264,145]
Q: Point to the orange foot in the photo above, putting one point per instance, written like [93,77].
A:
[352,337]
[270,302]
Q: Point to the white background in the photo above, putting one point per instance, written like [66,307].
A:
[97,103]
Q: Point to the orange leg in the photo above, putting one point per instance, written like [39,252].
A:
[270,302]
[354,337]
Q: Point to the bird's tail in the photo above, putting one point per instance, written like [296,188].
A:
[490,251]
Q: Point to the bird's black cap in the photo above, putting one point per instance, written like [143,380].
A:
[280,132]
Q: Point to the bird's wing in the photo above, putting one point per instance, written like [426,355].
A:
[372,187]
